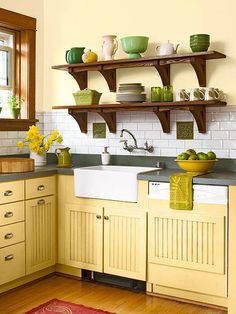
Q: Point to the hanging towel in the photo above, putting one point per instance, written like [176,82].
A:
[181,190]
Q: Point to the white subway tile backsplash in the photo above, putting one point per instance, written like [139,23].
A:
[220,135]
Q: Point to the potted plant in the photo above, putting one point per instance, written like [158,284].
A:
[39,144]
[14,102]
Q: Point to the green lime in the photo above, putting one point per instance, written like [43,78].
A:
[202,156]
[191,151]
[193,157]
[183,156]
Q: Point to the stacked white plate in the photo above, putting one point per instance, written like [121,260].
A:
[130,92]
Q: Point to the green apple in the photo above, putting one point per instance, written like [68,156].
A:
[183,156]
[202,156]
[193,157]
[211,155]
[191,151]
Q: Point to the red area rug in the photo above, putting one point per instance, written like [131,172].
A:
[63,307]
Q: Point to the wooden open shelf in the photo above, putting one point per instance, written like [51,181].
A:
[160,109]
[161,63]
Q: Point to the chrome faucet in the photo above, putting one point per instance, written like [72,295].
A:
[130,148]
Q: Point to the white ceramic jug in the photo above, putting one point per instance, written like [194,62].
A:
[109,46]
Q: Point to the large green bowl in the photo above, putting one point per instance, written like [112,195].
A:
[134,45]
[199,48]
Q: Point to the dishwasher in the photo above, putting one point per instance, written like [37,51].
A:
[187,249]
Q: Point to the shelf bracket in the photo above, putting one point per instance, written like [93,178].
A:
[199,66]
[110,119]
[81,78]
[199,115]
[164,72]
[164,117]
[81,119]
[110,77]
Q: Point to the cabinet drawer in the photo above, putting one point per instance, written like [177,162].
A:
[11,213]
[12,234]
[40,187]
[12,262]
[11,191]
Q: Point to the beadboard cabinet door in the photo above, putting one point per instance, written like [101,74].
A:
[84,236]
[40,233]
[125,242]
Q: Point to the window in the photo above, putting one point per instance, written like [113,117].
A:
[17,67]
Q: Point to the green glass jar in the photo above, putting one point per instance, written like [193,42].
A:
[156,94]
[168,93]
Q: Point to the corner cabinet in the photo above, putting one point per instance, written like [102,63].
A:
[162,110]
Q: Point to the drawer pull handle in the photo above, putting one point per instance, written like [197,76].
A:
[106,217]
[9,257]
[8,214]
[8,193]
[98,216]
[41,202]
[41,188]
[8,236]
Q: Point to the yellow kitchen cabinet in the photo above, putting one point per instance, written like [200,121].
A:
[102,235]
[84,237]
[187,251]
[12,231]
[40,215]
[125,243]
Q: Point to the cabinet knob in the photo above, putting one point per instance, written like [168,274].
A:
[8,214]
[106,217]
[9,236]
[98,216]
[9,257]
[41,187]
[8,193]
[41,202]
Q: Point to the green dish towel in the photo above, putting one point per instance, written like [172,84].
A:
[181,190]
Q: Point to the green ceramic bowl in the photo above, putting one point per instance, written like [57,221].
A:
[134,45]
[199,40]
[199,48]
[200,36]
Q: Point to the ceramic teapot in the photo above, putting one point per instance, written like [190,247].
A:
[89,56]
[64,157]
[167,49]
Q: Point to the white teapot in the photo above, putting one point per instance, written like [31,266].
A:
[167,49]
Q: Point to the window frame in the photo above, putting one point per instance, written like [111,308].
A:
[24,29]
[8,49]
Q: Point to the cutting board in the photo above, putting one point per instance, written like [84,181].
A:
[11,165]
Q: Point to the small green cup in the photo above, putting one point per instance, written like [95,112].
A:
[156,94]
[168,93]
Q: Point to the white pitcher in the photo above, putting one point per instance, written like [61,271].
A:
[109,46]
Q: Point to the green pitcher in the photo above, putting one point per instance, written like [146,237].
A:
[74,55]
[64,157]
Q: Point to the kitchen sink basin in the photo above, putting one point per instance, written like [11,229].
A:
[108,182]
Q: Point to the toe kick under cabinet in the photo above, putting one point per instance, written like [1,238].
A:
[27,227]
[187,252]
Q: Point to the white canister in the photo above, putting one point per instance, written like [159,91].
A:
[196,94]
[182,95]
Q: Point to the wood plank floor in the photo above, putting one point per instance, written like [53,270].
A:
[120,301]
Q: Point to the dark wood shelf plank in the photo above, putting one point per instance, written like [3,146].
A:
[160,109]
[161,63]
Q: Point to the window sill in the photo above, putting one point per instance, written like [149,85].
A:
[16,124]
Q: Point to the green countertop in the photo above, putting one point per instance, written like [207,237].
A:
[213,178]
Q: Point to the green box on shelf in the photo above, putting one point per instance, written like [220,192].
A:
[87,97]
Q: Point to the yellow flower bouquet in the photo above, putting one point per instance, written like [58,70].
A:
[37,142]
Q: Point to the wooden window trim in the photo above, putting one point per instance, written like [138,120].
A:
[24,28]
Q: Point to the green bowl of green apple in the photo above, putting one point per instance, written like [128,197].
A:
[134,45]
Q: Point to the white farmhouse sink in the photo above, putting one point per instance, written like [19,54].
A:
[108,182]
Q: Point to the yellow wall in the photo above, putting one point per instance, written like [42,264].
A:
[35,9]
[82,23]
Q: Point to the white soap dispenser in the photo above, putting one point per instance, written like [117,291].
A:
[105,156]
